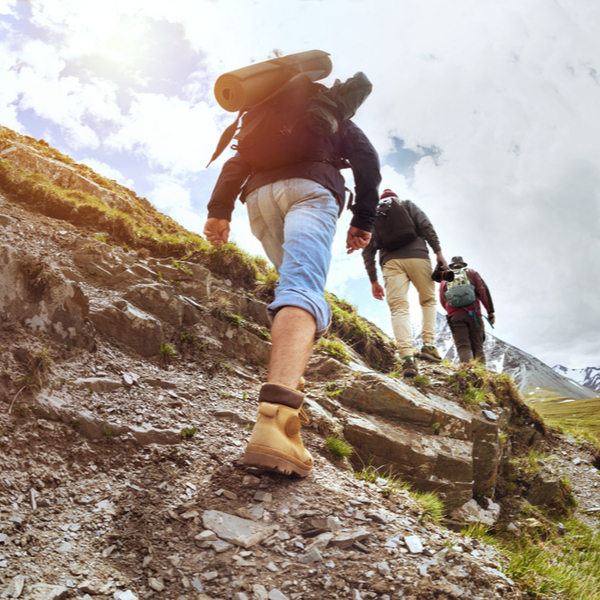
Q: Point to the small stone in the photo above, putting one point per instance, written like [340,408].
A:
[156,584]
[239,596]
[250,481]
[65,547]
[146,561]
[174,560]
[210,575]
[43,591]
[257,512]
[220,546]
[260,592]
[197,585]
[83,500]
[89,587]
[206,536]
[230,495]
[490,415]
[15,587]
[413,542]
[273,567]
[275,594]
[261,496]
[108,551]
[126,595]
[190,514]
[310,557]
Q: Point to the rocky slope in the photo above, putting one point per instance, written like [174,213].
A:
[129,384]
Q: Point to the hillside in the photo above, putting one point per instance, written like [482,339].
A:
[129,372]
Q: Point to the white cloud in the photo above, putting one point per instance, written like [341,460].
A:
[7,6]
[169,194]
[171,133]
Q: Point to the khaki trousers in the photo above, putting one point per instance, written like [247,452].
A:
[398,274]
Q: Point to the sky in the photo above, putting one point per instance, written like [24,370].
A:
[484,113]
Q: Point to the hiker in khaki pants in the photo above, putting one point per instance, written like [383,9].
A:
[405,265]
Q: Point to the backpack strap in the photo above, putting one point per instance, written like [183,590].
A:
[473,313]
[226,138]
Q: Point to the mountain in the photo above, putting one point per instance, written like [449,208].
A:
[529,372]
[589,376]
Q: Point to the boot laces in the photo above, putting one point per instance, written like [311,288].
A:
[303,418]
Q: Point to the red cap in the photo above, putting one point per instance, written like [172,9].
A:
[387,194]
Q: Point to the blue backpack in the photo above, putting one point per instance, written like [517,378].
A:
[460,291]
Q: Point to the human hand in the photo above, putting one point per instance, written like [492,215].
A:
[377,290]
[357,239]
[492,318]
[217,231]
[440,258]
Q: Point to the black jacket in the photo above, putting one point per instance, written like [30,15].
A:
[350,144]
[416,249]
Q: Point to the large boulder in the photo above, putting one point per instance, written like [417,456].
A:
[129,325]
[429,463]
[41,298]
[159,300]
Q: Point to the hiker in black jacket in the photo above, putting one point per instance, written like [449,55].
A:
[293,210]
[401,267]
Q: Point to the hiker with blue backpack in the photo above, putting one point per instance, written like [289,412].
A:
[462,292]
[290,147]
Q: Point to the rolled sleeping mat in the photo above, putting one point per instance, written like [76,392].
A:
[243,88]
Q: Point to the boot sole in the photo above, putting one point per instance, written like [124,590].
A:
[262,457]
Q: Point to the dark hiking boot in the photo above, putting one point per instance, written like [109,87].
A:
[275,443]
[409,368]
[430,353]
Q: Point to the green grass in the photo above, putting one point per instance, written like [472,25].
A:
[361,335]
[432,506]
[339,448]
[578,417]
[334,348]
[556,564]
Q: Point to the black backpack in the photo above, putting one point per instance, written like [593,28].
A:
[394,225]
[275,133]
[296,123]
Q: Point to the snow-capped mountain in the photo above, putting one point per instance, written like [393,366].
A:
[529,372]
[589,377]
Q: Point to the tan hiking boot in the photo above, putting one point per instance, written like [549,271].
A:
[430,353]
[275,443]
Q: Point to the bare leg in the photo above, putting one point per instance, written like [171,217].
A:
[293,336]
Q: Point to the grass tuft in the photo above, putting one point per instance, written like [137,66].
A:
[339,448]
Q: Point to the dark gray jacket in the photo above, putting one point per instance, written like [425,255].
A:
[416,249]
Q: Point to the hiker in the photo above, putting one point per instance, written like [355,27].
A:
[293,209]
[462,291]
[401,234]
